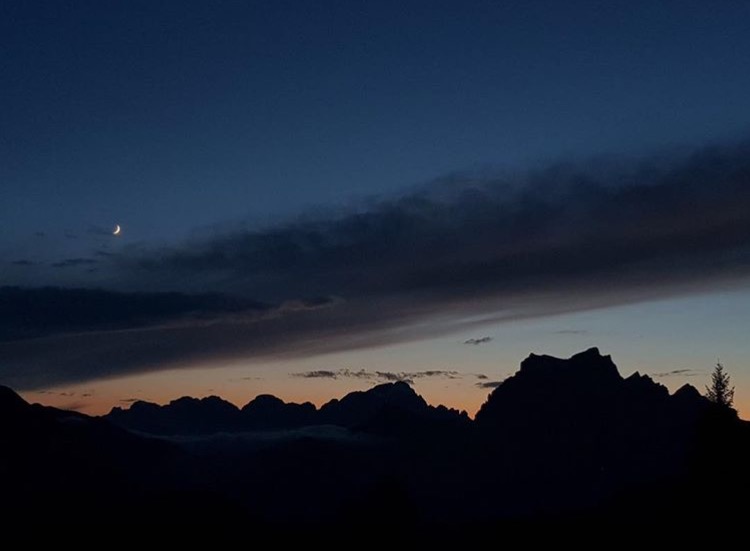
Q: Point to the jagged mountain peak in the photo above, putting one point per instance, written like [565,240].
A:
[587,364]
[549,390]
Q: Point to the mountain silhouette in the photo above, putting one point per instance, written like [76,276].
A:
[561,439]
[606,433]
[270,412]
[185,415]
[357,410]
[583,395]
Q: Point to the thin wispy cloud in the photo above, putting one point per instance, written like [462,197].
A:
[317,374]
[480,340]
[74,262]
[488,384]
[678,373]
[57,393]
[380,376]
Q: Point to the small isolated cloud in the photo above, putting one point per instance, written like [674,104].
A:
[481,376]
[489,384]
[104,254]
[571,332]
[40,234]
[23,262]
[74,262]
[128,400]
[677,373]
[300,305]
[480,340]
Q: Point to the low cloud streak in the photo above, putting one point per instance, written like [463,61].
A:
[378,376]
[489,384]
[476,341]
[677,373]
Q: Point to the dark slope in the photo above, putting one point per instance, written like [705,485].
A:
[562,439]
[56,463]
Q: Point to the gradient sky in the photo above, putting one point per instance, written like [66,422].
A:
[208,130]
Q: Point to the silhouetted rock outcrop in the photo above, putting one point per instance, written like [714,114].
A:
[583,391]
[605,432]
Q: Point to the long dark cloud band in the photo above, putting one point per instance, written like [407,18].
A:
[460,253]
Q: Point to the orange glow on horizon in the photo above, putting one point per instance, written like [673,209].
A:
[101,401]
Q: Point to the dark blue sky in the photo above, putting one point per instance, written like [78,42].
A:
[279,171]
[166,116]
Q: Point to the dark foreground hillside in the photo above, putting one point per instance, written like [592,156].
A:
[561,440]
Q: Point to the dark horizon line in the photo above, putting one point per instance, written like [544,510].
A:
[127,404]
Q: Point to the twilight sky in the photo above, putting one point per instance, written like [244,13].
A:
[316,197]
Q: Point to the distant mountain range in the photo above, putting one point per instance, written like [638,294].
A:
[562,438]
[357,410]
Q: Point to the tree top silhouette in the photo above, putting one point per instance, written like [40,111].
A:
[720,391]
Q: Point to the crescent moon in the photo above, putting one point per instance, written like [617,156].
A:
[118,229]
